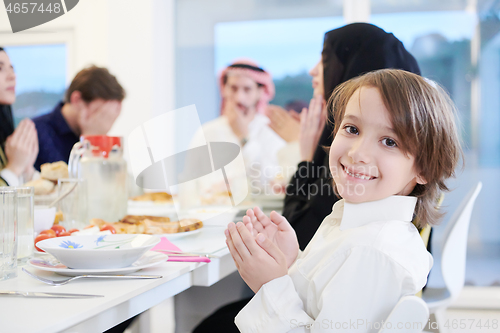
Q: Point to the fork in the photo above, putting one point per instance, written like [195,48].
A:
[61,282]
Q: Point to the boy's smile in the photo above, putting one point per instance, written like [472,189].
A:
[366,160]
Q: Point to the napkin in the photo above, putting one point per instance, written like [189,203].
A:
[165,244]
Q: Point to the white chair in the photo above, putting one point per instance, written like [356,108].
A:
[453,258]
[409,316]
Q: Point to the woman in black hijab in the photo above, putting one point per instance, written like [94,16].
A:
[348,52]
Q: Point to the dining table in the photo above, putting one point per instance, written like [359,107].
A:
[122,299]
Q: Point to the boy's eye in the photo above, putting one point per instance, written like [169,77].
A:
[351,129]
[389,142]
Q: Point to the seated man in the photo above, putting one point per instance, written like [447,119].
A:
[91,105]
[246,91]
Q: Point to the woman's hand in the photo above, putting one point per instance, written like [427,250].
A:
[258,260]
[276,229]
[29,171]
[21,148]
[285,124]
[312,123]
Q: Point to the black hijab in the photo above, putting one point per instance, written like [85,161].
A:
[359,48]
[353,50]
[348,52]
[6,120]
[6,123]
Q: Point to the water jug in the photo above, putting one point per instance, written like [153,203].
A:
[99,160]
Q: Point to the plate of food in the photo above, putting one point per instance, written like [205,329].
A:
[51,264]
[152,225]
[181,234]
[151,199]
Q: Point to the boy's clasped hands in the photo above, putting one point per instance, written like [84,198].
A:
[263,248]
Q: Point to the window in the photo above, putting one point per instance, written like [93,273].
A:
[441,43]
[285,48]
[40,78]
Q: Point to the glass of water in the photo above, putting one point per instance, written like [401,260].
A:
[8,233]
[25,224]
[74,205]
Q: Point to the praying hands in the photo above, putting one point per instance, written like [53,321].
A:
[257,259]
[262,248]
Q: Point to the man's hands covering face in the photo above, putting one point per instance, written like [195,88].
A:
[238,118]
[97,117]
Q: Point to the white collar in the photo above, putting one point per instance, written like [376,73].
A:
[395,207]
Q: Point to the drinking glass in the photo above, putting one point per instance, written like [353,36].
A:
[8,233]
[25,224]
[74,206]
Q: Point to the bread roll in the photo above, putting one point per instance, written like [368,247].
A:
[54,171]
[42,186]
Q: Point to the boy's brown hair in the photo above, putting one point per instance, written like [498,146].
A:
[423,118]
[93,83]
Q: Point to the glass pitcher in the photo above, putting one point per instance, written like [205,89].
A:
[99,160]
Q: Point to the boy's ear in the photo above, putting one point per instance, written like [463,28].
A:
[421,180]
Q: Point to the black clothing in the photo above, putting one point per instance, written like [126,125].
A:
[6,123]
[222,320]
[348,52]
[55,137]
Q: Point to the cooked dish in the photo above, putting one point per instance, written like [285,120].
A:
[152,225]
[154,196]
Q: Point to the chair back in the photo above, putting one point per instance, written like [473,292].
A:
[409,316]
[454,249]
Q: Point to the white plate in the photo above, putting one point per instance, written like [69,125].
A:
[180,234]
[51,264]
[98,251]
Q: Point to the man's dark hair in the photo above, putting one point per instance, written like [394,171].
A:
[93,83]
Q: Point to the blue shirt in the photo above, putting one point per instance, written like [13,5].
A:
[55,137]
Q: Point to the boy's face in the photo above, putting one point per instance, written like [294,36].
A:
[366,161]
